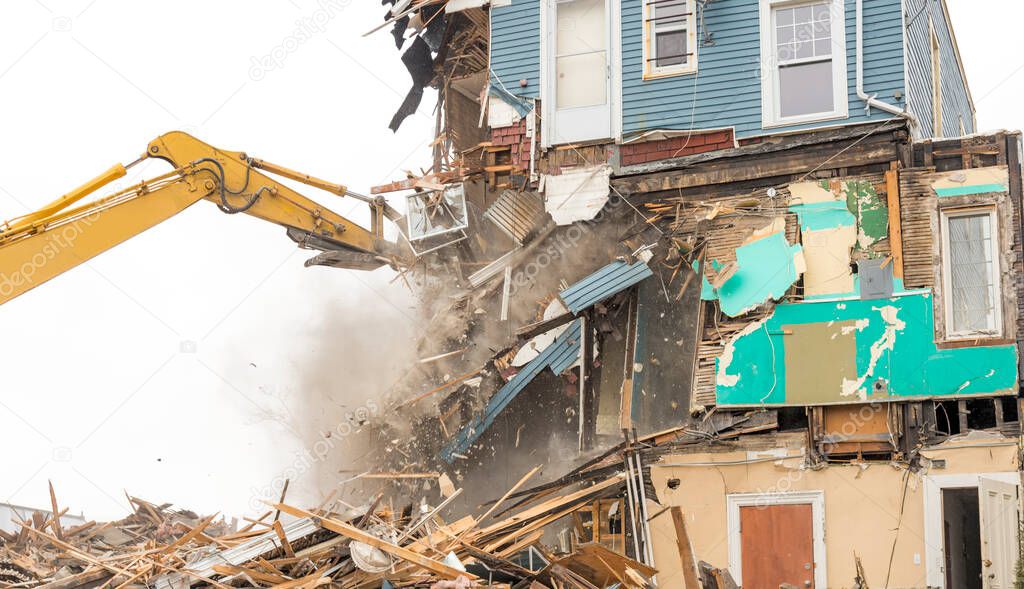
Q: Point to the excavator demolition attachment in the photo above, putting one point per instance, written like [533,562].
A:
[63,234]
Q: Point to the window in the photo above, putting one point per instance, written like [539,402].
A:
[936,82]
[670,38]
[803,48]
[971,274]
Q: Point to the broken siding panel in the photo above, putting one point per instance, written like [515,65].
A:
[556,355]
[606,282]
[920,233]
[956,103]
[727,92]
[515,46]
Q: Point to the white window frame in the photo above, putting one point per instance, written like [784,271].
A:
[770,103]
[651,69]
[816,499]
[947,279]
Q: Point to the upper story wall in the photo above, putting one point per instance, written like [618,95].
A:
[726,90]
[923,17]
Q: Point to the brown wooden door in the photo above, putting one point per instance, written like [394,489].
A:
[777,546]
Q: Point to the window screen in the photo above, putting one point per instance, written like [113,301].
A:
[803,51]
[972,277]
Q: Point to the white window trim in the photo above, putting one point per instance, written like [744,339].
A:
[816,499]
[770,106]
[935,63]
[934,555]
[651,70]
[947,281]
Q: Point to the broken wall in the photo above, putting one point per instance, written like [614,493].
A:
[864,505]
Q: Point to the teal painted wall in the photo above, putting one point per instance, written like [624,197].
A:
[906,356]
[956,105]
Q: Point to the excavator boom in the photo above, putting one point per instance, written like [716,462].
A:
[46,243]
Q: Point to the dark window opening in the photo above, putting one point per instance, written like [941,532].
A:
[981,413]
[961,538]
[947,420]
[1010,411]
[792,418]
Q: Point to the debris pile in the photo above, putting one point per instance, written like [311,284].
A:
[385,543]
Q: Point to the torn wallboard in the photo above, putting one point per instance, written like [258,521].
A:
[766,266]
[970,182]
[576,195]
[894,356]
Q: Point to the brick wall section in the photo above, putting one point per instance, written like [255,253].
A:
[649,151]
[518,139]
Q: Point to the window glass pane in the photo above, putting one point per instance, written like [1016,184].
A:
[823,47]
[580,27]
[972,297]
[668,13]
[806,89]
[670,48]
[581,80]
[784,16]
[803,14]
[785,35]
[808,36]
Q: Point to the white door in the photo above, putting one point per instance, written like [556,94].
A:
[582,74]
[999,524]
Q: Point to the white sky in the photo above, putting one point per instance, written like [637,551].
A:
[95,392]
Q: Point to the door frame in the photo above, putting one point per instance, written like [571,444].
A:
[816,499]
[548,22]
[934,542]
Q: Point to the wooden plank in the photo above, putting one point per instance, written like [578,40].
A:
[358,535]
[872,150]
[892,190]
[55,522]
[686,557]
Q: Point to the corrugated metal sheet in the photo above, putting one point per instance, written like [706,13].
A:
[556,355]
[262,544]
[577,195]
[516,213]
[610,280]
[955,101]
[515,46]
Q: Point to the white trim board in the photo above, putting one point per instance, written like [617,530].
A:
[934,558]
[816,499]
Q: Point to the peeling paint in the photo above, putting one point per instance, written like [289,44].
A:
[887,342]
[894,345]
[871,211]
[766,266]
[974,181]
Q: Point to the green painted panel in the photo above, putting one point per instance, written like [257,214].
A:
[896,356]
[766,268]
[871,211]
[823,215]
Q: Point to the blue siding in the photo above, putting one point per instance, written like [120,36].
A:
[956,105]
[727,87]
[515,46]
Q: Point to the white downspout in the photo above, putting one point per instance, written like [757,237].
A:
[870,99]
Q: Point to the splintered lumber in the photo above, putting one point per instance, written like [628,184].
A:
[353,533]
[551,505]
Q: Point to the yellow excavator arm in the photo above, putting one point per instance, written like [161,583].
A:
[46,243]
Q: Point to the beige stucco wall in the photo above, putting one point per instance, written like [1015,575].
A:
[862,506]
